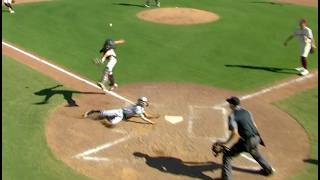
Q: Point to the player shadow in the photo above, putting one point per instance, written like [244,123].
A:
[176,166]
[135,121]
[268,2]
[67,95]
[128,4]
[264,68]
[311,161]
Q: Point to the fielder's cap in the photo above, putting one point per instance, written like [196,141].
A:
[233,100]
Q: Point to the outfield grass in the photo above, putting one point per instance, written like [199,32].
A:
[70,32]
[25,154]
[304,108]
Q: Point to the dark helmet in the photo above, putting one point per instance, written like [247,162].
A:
[233,100]
[108,44]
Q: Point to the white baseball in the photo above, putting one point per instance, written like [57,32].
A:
[110,24]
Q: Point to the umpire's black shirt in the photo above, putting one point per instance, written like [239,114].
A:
[243,121]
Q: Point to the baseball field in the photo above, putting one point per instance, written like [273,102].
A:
[185,67]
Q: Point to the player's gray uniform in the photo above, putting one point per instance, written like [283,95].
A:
[114,116]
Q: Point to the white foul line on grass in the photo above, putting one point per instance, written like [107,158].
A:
[85,154]
[64,71]
[218,106]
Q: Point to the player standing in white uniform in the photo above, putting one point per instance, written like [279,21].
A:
[109,54]
[8,4]
[307,44]
[114,116]
[147,4]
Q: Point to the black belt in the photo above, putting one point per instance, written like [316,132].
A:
[111,56]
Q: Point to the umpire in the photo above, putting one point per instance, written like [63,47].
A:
[241,125]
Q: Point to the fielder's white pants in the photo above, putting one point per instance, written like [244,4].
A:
[7,1]
[111,63]
[114,116]
[305,49]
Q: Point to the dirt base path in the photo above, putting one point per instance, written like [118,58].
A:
[29,1]
[133,150]
[311,3]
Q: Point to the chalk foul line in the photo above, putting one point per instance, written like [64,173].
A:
[64,71]
[85,155]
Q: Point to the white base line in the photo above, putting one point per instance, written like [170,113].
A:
[64,71]
[123,98]
[190,122]
[99,148]
[249,158]
[276,87]
[263,91]
[224,118]
[89,158]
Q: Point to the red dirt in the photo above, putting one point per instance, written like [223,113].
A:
[68,134]
[311,3]
[178,16]
[29,1]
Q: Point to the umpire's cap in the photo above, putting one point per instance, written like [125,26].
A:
[233,100]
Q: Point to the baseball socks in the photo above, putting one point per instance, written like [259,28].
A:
[10,7]
[112,82]
[304,64]
[101,85]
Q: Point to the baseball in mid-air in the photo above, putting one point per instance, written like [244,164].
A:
[110,24]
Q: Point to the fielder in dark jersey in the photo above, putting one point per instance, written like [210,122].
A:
[241,125]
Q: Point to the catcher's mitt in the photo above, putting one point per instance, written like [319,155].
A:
[218,148]
[312,50]
[97,61]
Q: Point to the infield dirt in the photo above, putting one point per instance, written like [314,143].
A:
[174,151]
[171,151]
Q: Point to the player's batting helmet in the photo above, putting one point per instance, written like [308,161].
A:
[108,44]
[143,101]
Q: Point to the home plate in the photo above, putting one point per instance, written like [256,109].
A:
[173,119]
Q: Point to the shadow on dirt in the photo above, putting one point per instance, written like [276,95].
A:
[265,68]
[176,166]
[67,95]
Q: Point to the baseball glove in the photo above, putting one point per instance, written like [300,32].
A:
[97,61]
[312,50]
[218,148]
[13,1]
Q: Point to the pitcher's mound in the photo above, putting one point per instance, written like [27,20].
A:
[178,16]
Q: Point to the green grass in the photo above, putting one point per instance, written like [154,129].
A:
[70,32]
[25,154]
[304,108]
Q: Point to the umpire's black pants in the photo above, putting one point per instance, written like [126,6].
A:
[250,146]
